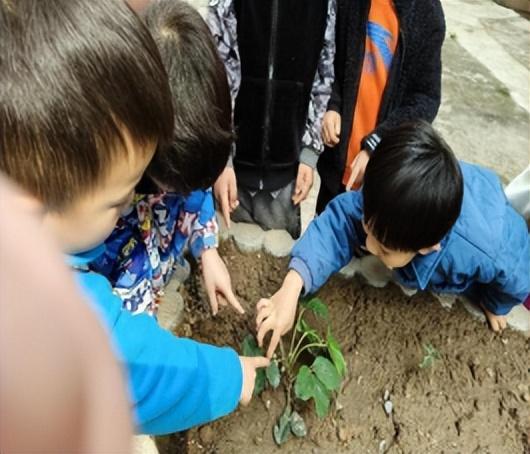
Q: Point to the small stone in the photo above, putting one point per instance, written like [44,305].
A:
[206,434]
[186,330]
[382,446]
[343,433]
[258,440]
[526,397]
[504,341]
[522,387]
[386,396]
[248,237]
[490,372]
[338,405]
[278,243]
[268,404]
[389,406]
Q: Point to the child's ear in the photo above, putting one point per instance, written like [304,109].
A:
[427,250]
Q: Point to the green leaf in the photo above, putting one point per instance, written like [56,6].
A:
[321,398]
[326,373]
[336,354]
[282,428]
[273,374]
[298,426]
[250,346]
[261,381]
[304,386]
[316,306]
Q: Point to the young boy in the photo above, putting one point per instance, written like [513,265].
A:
[439,224]
[279,59]
[387,71]
[150,239]
[84,101]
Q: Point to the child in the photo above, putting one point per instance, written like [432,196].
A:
[387,71]
[149,240]
[439,224]
[84,102]
[279,59]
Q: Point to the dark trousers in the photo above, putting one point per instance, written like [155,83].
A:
[325,196]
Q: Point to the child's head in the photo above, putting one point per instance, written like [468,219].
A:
[412,192]
[203,124]
[84,101]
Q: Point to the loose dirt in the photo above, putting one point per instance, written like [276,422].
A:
[474,399]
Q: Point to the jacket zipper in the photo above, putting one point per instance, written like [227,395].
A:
[269,95]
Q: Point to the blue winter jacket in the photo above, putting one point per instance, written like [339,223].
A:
[485,255]
[174,383]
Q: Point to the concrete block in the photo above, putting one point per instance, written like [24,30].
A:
[519,319]
[350,269]
[171,307]
[144,444]
[248,237]
[278,243]
[374,271]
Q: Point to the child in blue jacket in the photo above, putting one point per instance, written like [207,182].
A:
[84,104]
[440,224]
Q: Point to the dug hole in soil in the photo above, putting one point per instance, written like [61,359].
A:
[474,399]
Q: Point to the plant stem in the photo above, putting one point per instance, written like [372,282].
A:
[295,350]
[305,347]
[293,337]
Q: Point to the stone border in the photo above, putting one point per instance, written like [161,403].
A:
[278,243]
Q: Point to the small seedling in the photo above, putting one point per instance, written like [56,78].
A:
[317,379]
[431,355]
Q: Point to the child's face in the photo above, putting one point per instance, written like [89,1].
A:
[88,221]
[392,258]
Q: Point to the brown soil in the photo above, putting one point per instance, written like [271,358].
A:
[473,400]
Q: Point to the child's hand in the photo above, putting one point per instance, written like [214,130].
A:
[248,366]
[277,314]
[304,182]
[497,322]
[331,128]
[217,282]
[225,191]
[358,167]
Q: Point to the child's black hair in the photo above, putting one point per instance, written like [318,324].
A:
[75,76]
[413,188]
[201,99]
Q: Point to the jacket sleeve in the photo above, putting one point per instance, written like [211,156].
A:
[174,383]
[321,90]
[422,96]
[335,99]
[510,284]
[330,241]
[199,206]
[222,21]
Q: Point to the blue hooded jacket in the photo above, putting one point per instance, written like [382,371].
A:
[174,383]
[485,254]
